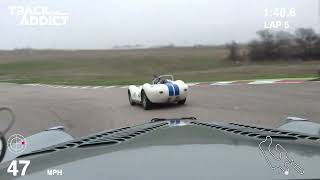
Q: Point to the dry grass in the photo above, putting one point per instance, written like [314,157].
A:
[104,67]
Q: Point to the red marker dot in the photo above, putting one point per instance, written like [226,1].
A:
[23,142]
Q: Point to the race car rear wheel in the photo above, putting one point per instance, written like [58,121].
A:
[146,103]
[181,102]
[130,99]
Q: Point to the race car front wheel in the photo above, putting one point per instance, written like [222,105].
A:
[181,102]
[146,103]
[130,99]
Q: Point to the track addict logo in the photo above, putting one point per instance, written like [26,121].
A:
[38,16]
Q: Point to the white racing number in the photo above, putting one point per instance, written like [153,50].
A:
[13,167]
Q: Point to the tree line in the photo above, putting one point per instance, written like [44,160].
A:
[303,44]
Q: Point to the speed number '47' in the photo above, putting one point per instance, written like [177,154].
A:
[13,167]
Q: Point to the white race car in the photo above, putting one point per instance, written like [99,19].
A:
[163,90]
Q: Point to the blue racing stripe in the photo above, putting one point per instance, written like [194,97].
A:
[176,90]
[170,88]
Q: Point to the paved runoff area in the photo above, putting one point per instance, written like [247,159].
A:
[219,83]
[88,109]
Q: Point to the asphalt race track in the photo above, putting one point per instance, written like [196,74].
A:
[83,111]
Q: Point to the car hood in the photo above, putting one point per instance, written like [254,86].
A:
[184,150]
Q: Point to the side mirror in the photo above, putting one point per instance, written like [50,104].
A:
[3,145]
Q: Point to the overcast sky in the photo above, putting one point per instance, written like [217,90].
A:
[97,24]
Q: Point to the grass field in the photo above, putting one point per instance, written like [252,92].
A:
[106,67]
